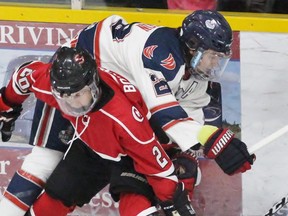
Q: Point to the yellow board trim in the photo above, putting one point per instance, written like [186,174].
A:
[172,18]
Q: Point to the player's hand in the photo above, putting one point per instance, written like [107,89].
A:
[8,116]
[186,167]
[230,153]
[7,122]
[180,205]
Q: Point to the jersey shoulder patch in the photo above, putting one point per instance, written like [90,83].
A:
[162,52]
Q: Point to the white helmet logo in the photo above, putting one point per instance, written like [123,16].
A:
[210,24]
[137,115]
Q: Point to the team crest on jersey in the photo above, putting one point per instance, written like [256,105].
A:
[148,51]
[169,63]
[137,115]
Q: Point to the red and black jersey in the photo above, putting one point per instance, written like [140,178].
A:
[118,128]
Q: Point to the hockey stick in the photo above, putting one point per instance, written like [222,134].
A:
[267,140]
[277,206]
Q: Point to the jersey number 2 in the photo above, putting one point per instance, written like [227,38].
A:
[160,159]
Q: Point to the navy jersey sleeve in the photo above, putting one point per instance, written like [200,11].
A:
[86,38]
[162,52]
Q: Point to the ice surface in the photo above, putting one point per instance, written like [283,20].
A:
[264,85]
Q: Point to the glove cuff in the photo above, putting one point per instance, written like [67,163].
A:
[205,133]
[218,142]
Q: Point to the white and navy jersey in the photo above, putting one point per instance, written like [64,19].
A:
[150,57]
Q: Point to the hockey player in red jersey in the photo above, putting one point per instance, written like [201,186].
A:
[171,68]
[109,116]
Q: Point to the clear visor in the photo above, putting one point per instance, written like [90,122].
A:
[209,64]
[78,103]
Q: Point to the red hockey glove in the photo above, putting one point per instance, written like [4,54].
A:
[8,116]
[186,167]
[180,205]
[230,153]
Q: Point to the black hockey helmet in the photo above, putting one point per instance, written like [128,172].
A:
[205,30]
[73,74]
[72,69]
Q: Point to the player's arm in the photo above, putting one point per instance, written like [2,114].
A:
[10,107]
[151,160]
[163,60]
[31,77]
[17,91]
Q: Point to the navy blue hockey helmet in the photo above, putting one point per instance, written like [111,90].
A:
[205,30]
[75,80]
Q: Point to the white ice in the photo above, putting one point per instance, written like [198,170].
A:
[264,89]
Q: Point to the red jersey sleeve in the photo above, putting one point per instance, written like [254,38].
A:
[150,159]
[32,77]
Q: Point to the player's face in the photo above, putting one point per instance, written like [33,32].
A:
[80,99]
[78,103]
[210,60]
[209,64]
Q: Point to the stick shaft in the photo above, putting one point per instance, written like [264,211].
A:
[267,140]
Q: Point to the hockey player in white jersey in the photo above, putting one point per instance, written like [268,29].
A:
[171,68]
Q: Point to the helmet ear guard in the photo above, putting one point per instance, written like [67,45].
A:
[192,43]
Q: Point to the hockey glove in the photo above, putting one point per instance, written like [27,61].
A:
[230,153]
[186,167]
[180,205]
[8,116]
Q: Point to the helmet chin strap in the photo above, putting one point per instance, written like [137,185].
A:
[188,73]
[187,57]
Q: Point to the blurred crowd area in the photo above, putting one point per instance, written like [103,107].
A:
[261,6]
